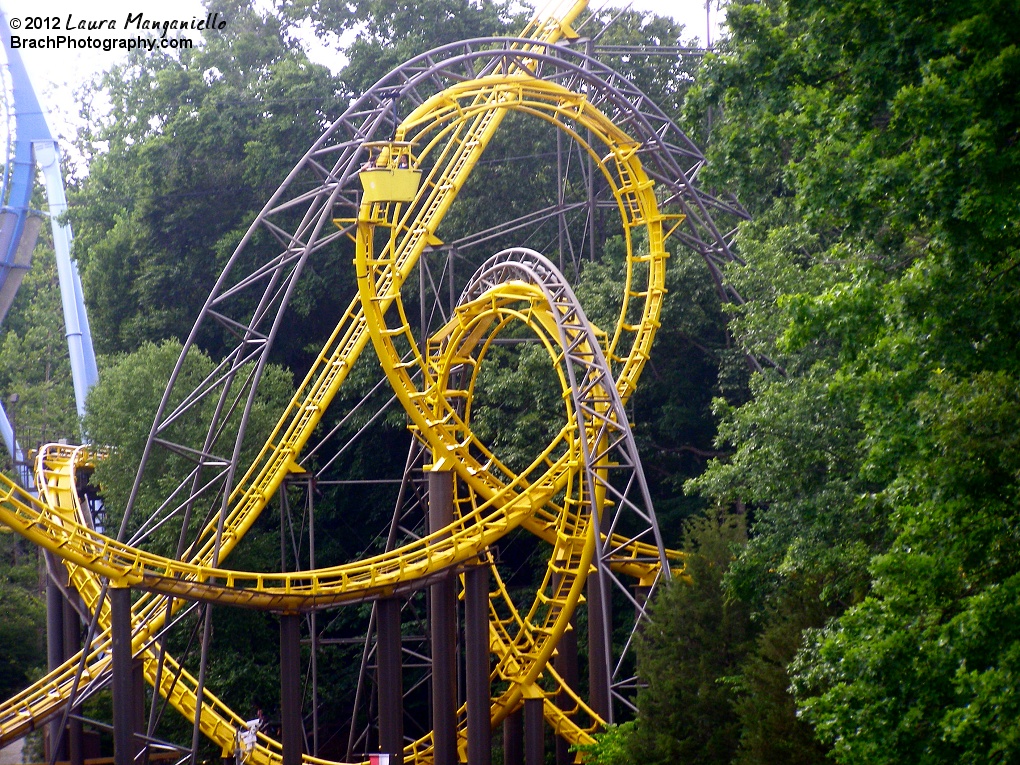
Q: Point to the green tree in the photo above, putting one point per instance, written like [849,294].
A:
[877,145]
[244,649]
[119,412]
[696,638]
[923,667]
[22,616]
[34,363]
[189,151]
[388,33]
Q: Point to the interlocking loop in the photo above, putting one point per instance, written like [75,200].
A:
[584,494]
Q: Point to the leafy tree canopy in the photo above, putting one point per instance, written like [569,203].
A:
[187,154]
[877,145]
[386,33]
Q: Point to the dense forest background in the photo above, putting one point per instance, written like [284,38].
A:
[850,514]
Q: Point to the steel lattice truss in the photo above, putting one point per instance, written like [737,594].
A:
[608,448]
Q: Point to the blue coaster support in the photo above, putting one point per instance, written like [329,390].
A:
[35,148]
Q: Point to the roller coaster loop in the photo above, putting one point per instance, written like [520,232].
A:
[583,495]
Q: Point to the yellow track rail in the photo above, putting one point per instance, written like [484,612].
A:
[453,129]
[524,643]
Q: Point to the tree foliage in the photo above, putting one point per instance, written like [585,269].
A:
[696,638]
[387,33]
[188,152]
[119,413]
[34,363]
[22,616]
[877,145]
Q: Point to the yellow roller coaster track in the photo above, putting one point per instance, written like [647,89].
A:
[451,129]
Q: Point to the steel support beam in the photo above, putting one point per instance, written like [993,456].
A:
[598,651]
[391,685]
[313,625]
[566,667]
[443,631]
[592,207]
[54,653]
[123,677]
[641,593]
[138,723]
[534,732]
[476,665]
[72,644]
[513,738]
[291,730]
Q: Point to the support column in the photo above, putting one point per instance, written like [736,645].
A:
[476,665]
[391,685]
[138,704]
[313,626]
[291,733]
[54,654]
[566,667]
[123,680]
[513,738]
[443,631]
[72,644]
[598,654]
[534,732]
[589,51]
[641,592]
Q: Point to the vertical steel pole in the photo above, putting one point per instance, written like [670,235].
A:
[534,732]
[598,651]
[203,668]
[72,644]
[423,318]
[476,665]
[641,593]
[284,514]
[138,705]
[123,681]
[313,624]
[54,650]
[443,631]
[566,667]
[708,47]
[291,731]
[592,211]
[560,218]
[453,284]
[391,685]
[513,738]
[708,24]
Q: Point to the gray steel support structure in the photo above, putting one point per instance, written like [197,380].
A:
[443,630]
[566,667]
[599,660]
